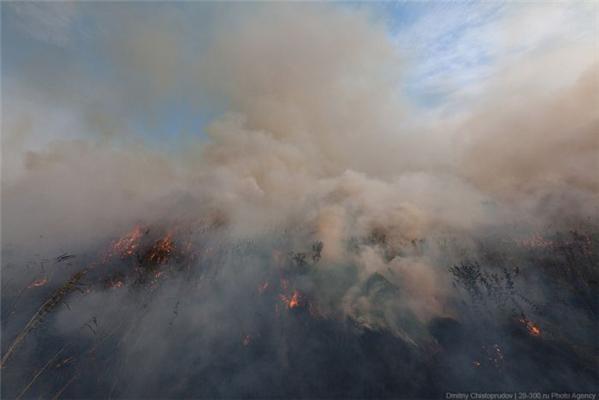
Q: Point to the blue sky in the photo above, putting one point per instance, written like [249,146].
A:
[59,57]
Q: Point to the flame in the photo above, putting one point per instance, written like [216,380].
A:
[532,328]
[128,244]
[162,250]
[38,283]
[293,301]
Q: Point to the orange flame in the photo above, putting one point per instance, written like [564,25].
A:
[162,250]
[531,327]
[534,330]
[293,301]
[127,245]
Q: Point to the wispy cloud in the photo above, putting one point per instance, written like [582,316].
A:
[51,22]
[454,47]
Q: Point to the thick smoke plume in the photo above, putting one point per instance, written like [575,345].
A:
[321,186]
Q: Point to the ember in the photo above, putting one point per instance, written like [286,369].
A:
[531,327]
[127,245]
[293,301]
[162,250]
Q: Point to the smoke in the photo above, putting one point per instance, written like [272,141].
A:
[542,150]
[317,145]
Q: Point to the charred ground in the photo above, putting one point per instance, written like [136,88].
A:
[181,312]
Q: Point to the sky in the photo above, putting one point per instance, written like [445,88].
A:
[66,74]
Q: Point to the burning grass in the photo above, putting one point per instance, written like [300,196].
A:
[500,331]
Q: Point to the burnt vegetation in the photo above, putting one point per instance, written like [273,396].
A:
[525,318]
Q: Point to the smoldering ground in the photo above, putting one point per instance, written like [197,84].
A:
[323,242]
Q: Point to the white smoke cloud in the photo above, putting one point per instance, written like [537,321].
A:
[315,138]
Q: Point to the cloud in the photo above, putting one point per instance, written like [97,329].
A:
[455,48]
[46,21]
